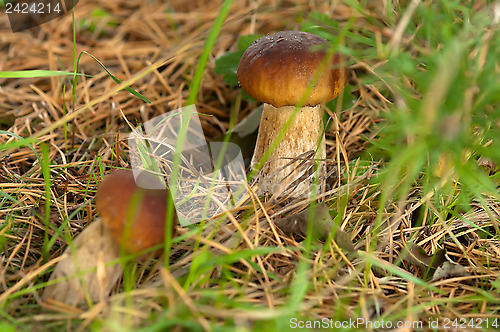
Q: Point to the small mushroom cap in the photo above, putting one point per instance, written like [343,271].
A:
[278,69]
[134,216]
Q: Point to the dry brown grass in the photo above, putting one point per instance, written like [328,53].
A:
[167,40]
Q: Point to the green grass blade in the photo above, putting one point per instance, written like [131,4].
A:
[129,89]
[34,73]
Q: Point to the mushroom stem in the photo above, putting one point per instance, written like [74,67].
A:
[305,134]
[87,265]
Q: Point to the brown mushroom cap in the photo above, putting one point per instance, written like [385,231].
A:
[134,216]
[279,68]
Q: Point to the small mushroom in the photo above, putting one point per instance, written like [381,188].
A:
[283,70]
[132,219]
[134,216]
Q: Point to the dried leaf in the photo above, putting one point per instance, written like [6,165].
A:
[321,228]
[344,241]
[487,164]
[244,134]
[91,250]
[449,270]
[427,264]
[293,224]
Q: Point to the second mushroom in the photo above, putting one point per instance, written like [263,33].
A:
[290,72]
[132,220]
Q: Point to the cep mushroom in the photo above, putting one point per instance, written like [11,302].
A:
[132,219]
[286,70]
[134,216]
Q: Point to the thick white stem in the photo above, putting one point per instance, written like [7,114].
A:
[305,134]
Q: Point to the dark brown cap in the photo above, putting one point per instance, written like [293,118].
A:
[278,69]
[134,216]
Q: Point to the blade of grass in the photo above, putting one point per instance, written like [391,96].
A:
[202,63]
[127,88]
[35,73]
[46,178]
[195,86]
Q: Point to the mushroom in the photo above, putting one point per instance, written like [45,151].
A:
[132,219]
[291,72]
[135,216]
